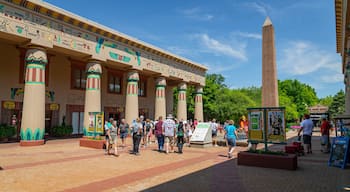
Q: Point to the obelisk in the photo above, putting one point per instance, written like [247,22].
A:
[269,70]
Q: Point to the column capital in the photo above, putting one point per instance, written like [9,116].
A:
[36,55]
[160,82]
[133,76]
[199,89]
[182,86]
[94,67]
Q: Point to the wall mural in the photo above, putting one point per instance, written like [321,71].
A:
[33,26]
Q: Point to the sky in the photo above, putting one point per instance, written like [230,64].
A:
[225,35]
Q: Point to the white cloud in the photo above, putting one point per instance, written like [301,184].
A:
[219,67]
[305,58]
[247,35]
[332,78]
[222,48]
[260,7]
[197,14]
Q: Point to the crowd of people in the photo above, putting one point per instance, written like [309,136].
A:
[168,133]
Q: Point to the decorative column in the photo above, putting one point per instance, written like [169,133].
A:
[181,102]
[198,104]
[92,92]
[33,115]
[160,107]
[132,100]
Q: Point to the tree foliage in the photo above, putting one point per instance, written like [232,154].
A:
[302,95]
[223,103]
[338,104]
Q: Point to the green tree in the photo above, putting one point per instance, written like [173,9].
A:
[327,101]
[291,108]
[337,106]
[302,95]
[232,104]
[253,93]
[214,86]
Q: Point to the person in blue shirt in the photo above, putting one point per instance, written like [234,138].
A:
[231,135]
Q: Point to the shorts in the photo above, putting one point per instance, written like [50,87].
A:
[307,139]
[231,142]
[169,139]
[123,135]
[113,140]
[214,133]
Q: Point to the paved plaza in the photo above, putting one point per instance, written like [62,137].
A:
[61,165]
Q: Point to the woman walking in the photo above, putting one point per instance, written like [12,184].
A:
[112,135]
[231,135]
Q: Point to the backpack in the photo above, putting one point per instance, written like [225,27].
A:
[148,126]
[213,127]
[180,130]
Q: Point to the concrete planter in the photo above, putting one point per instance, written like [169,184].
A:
[96,144]
[289,162]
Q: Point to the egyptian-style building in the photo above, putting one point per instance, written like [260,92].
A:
[57,67]
[342,18]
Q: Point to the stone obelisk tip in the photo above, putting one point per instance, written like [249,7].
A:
[267,22]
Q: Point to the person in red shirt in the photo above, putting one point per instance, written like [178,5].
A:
[325,142]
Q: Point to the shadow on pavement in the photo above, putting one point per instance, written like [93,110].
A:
[220,177]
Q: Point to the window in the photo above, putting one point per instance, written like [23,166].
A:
[115,82]
[142,85]
[78,76]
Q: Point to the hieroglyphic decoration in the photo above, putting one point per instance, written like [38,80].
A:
[32,25]
[20,91]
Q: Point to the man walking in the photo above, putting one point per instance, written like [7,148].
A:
[169,129]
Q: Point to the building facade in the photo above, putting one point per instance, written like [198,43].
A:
[57,67]
[342,17]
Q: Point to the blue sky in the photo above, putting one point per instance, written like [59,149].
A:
[225,35]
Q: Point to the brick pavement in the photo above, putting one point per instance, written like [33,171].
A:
[61,165]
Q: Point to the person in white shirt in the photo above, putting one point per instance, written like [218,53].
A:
[307,127]
[169,129]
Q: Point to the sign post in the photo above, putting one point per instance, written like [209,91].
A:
[201,136]
[96,123]
[267,125]
[339,152]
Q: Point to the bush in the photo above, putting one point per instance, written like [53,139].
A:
[7,131]
[63,130]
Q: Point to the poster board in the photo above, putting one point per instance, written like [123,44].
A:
[339,152]
[267,125]
[202,134]
[256,125]
[276,130]
[96,123]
